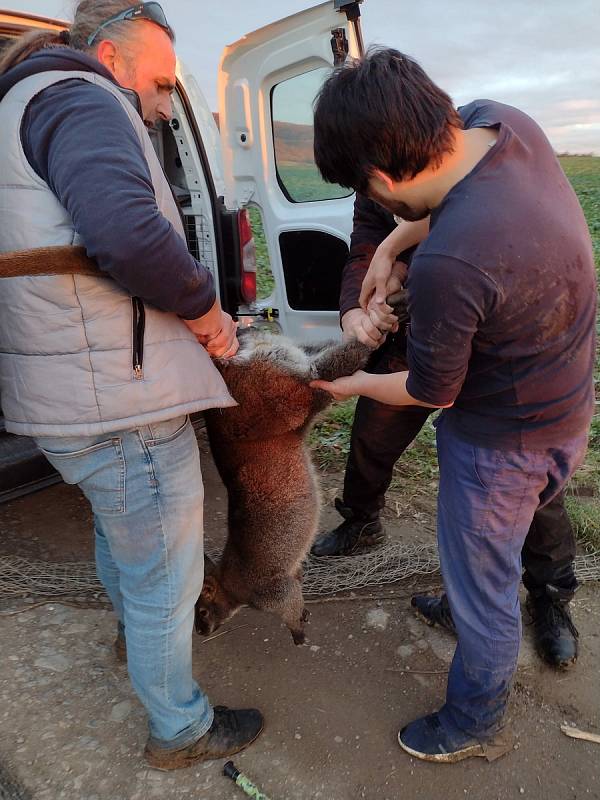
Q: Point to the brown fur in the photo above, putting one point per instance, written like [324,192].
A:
[260,451]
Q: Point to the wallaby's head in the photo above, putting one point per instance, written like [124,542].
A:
[215,605]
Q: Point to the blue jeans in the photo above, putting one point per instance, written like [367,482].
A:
[487,499]
[145,488]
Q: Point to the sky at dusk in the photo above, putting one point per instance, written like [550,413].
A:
[542,57]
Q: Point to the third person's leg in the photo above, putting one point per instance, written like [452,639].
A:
[549,577]
[380,434]
[548,558]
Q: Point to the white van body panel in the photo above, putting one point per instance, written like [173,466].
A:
[250,70]
[206,124]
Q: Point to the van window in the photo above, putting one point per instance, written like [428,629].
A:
[293,135]
[312,267]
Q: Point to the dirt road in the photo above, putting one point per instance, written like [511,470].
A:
[72,728]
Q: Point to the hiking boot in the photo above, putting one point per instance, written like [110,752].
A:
[231,731]
[554,633]
[356,534]
[434,611]
[427,739]
[120,646]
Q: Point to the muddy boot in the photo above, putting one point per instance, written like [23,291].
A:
[119,645]
[554,633]
[232,730]
[356,534]
[434,611]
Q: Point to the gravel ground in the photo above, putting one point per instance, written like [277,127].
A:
[71,726]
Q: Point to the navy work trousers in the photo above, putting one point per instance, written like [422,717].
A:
[381,433]
[487,499]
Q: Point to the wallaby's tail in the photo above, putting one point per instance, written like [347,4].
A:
[64,260]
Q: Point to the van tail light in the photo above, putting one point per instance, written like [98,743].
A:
[247,258]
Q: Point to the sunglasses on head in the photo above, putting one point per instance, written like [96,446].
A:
[150,11]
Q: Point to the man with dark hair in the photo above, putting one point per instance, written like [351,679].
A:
[381,433]
[502,301]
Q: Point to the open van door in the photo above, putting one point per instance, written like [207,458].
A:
[268,81]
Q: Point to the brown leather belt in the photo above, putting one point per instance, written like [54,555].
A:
[61,260]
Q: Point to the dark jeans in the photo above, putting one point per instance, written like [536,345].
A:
[381,433]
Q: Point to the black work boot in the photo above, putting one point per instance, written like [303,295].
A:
[434,611]
[356,534]
[554,633]
[232,730]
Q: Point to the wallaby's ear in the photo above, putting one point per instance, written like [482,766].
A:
[339,360]
[209,589]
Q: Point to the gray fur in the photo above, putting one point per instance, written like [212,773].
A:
[260,450]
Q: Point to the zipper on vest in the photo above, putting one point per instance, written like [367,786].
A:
[139,323]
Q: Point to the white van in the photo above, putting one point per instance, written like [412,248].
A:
[248,186]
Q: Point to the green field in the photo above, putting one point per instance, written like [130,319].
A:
[416,473]
[264,276]
[584,174]
[303,183]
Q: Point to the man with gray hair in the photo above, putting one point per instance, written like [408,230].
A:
[104,371]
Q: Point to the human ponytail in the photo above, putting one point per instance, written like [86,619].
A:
[28,44]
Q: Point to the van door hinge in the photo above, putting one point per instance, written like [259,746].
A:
[351,8]
[339,46]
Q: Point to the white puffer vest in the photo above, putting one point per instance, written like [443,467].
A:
[67,342]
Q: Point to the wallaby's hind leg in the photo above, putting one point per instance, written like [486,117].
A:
[283,597]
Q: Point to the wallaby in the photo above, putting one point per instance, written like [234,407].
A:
[262,456]
[260,451]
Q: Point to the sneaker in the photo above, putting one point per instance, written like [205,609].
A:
[554,633]
[427,739]
[434,611]
[231,731]
[358,533]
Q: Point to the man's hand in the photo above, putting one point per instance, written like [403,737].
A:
[356,324]
[216,332]
[382,314]
[342,388]
[375,282]
[385,277]
[225,344]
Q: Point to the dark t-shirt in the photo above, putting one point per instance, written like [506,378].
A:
[502,295]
